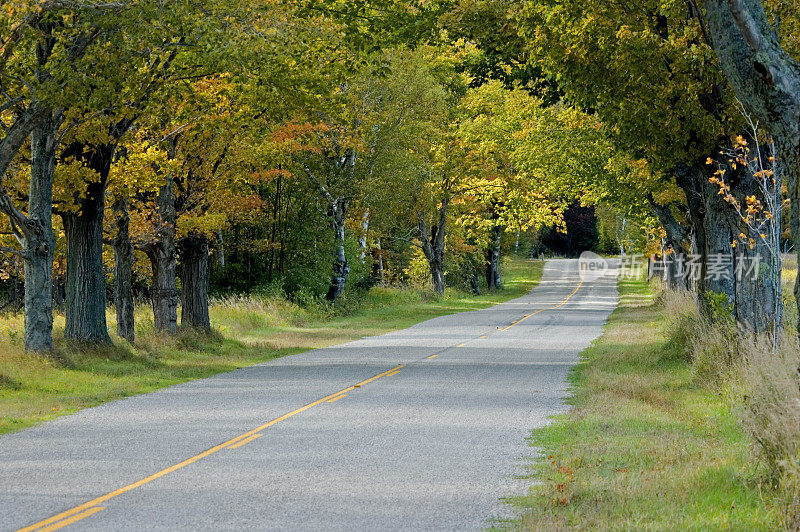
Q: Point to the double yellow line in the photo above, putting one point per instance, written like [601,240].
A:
[90,508]
[564,302]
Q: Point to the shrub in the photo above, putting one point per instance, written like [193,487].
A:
[710,346]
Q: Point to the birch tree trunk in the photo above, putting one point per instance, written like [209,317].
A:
[493,264]
[220,250]
[362,242]
[341,268]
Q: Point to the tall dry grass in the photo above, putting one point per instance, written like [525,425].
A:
[761,382]
[770,413]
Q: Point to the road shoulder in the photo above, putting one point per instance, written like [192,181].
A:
[644,446]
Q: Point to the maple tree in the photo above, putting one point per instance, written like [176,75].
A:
[761,64]
[674,113]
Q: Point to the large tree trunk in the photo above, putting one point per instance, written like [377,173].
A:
[35,231]
[194,252]
[163,292]
[162,255]
[123,272]
[493,263]
[86,284]
[767,81]
[86,290]
[433,245]
[341,268]
[728,276]
[40,240]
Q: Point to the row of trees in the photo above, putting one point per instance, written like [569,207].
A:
[292,141]
[305,144]
[681,85]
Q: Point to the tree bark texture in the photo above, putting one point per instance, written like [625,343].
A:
[341,268]
[194,271]
[123,272]
[766,80]
[40,240]
[493,279]
[86,285]
[723,269]
[85,306]
[162,255]
[433,245]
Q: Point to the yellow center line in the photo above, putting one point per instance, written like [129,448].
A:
[342,396]
[73,519]
[434,356]
[463,345]
[564,302]
[244,441]
[481,337]
[94,502]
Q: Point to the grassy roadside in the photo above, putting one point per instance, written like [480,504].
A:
[250,330]
[645,446]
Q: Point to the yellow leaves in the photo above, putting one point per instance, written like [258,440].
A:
[70,180]
[206,224]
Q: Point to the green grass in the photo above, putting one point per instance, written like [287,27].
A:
[250,330]
[645,447]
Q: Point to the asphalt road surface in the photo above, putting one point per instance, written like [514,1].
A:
[422,429]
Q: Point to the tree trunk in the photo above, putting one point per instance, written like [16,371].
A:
[476,287]
[766,80]
[677,245]
[433,245]
[727,275]
[380,264]
[362,242]
[86,289]
[162,255]
[40,240]
[221,251]
[123,272]
[163,292]
[341,268]
[194,252]
[493,264]
[86,286]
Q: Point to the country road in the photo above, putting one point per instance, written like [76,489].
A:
[421,429]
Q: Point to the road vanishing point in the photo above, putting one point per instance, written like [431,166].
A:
[420,429]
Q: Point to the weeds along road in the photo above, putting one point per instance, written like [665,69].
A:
[420,429]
